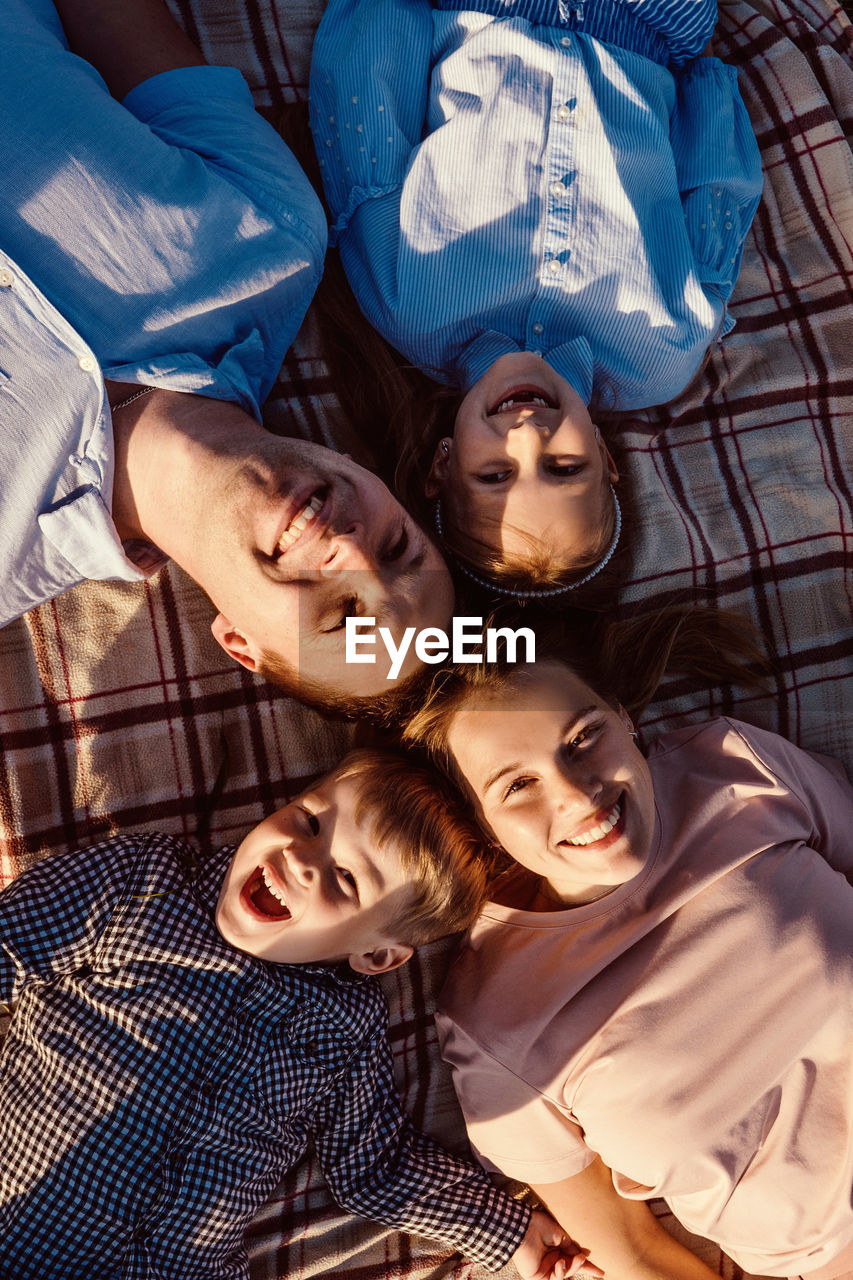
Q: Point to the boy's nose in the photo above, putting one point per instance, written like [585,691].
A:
[302,862]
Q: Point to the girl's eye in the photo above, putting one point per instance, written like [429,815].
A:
[349,611]
[313,822]
[493,477]
[564,470]
[349,878]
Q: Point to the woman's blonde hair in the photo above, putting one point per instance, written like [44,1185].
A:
[622,661]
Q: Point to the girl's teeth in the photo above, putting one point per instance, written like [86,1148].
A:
[511,404]
[599,832]
[300,522]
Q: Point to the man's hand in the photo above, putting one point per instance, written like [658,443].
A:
[547,1253]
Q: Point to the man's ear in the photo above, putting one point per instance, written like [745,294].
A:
[382,959]
[437,477]
[235,643]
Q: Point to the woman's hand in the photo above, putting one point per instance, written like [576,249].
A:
[547,1253]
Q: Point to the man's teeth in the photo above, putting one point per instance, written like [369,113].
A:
[277,893]
[599,832]
[300,521]
[511,404]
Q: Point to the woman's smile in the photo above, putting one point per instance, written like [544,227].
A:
[558,780]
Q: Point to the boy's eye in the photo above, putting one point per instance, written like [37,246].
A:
[349,878]
[493,477]
[312,821]
[348,610]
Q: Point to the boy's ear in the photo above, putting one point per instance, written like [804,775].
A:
[382,959]
[235,643]
[438,471]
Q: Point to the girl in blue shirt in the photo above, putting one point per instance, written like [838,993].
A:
[543,206]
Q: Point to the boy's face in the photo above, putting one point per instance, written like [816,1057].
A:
[308,884]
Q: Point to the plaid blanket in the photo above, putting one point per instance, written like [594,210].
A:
[118,711]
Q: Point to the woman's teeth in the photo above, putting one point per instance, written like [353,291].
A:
[599,832]
[300,521]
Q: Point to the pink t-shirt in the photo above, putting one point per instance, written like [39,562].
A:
[694,1027]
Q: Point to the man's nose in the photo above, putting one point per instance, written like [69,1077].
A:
[349,548]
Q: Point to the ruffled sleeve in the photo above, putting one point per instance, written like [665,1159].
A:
[369,84]
[719,170]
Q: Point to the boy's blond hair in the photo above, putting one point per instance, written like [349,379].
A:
[414,812]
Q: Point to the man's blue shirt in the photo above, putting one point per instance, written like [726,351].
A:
[169,240]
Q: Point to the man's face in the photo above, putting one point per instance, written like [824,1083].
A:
[297,539]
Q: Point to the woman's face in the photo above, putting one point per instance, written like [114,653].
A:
[527,467]
[558,780]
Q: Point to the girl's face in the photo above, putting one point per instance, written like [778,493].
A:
[558,780]
[527,467]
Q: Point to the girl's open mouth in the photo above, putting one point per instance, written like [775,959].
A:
[520,396]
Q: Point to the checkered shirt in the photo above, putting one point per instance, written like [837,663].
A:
[156,1083]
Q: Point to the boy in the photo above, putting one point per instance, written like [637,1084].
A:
[180,1033]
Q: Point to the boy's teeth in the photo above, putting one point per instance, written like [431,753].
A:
[273,889]
[300,521]
[599,832]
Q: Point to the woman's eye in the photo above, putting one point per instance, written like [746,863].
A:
[348,877]
[313,822]
[349,611]
[493,477]
[399,548]
[517,784]
[564,470]
[584,736]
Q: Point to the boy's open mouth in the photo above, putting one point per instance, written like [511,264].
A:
[266,899]
[520,396]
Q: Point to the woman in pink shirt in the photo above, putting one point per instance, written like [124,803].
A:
[659,1000]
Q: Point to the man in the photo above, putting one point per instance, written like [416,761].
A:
[159,253]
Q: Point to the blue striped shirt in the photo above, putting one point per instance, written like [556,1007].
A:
[498,184]
[156,1083]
